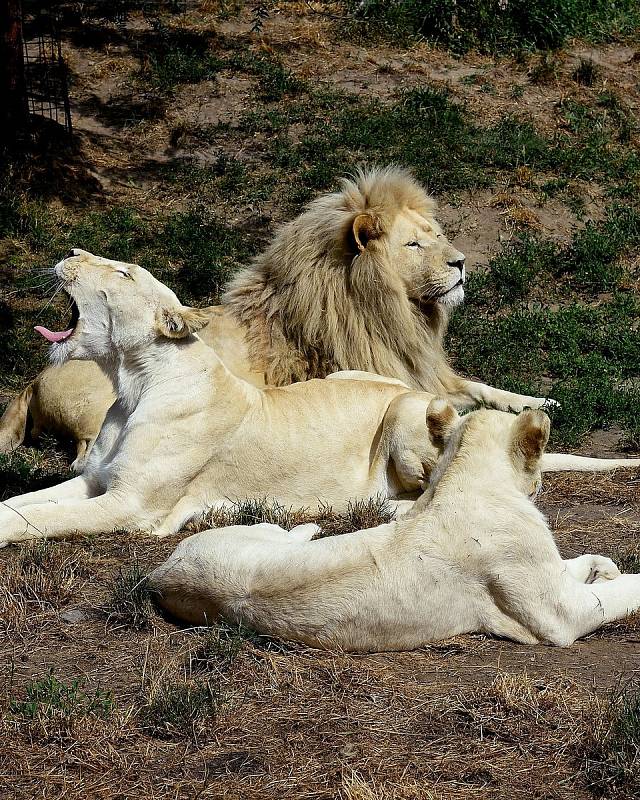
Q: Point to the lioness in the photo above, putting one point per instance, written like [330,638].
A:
[362,280]
[186,435]
[480,558]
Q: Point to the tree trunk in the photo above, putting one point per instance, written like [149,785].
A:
[14,111]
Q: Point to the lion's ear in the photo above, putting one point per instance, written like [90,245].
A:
[365,227]
[176,323]
[529,438]
[442,420]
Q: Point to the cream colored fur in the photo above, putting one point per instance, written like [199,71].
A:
[186,435]
[474,555]
[338,289]
[363,280]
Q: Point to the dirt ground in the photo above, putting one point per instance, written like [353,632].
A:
[467,718]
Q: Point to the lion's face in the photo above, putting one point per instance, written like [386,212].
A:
[115,307]
[430,268]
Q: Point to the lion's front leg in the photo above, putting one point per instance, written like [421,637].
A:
[75,489]
[47,520]
[471,393]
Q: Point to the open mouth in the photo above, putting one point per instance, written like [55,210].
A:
[61,336]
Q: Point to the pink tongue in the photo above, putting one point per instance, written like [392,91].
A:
[52,336]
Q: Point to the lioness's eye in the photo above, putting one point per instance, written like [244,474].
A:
[124,273]
[412,244]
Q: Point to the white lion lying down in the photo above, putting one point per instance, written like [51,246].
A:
[474,555]
[186,435]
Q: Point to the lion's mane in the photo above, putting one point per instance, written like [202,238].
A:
[311,305]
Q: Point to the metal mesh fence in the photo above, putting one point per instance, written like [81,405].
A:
[46,73]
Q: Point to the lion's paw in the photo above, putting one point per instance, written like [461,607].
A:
[550,403]
[602,569]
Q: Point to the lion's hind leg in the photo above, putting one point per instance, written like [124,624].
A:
[13,424]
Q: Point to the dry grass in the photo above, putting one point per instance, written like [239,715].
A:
[359,515]
[43,578]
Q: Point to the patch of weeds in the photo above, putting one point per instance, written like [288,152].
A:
[275,81]
[257,510]
[610,751]
[180,56]
[359,515]
[591,262]
[586,72]
[546,71]
[52,708]
[130,599]
[28,470]
[593,258]
[514,269]
[484,25]
[628,561]
[587,353]
[180,707]
[49,697]
[118,232]
[554,187]
[218,647]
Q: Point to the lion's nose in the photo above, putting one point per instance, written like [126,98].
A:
[457,264]
[73,252]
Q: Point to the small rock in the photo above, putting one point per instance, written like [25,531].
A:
[73,615]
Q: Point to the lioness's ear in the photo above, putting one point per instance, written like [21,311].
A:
[365,228]
[529,438]
[442,420]
[176,323]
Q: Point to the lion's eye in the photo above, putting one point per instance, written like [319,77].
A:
[124,273]
[413,244]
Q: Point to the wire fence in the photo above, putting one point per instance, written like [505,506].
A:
[46,73]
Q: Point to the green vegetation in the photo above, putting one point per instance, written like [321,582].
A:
[177,708]
[49,698]
[589,355]
[314,139]
[611,751]
[628,561]
[218,647]
[179,56]
[492,26]
[130,599]
[28,470]
[592,262]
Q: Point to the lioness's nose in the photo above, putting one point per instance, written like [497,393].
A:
[458,263]
[73,252]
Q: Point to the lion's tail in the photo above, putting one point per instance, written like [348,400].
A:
[13,423]
[563,462]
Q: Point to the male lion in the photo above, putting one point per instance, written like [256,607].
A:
[474,554]
[362,280]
